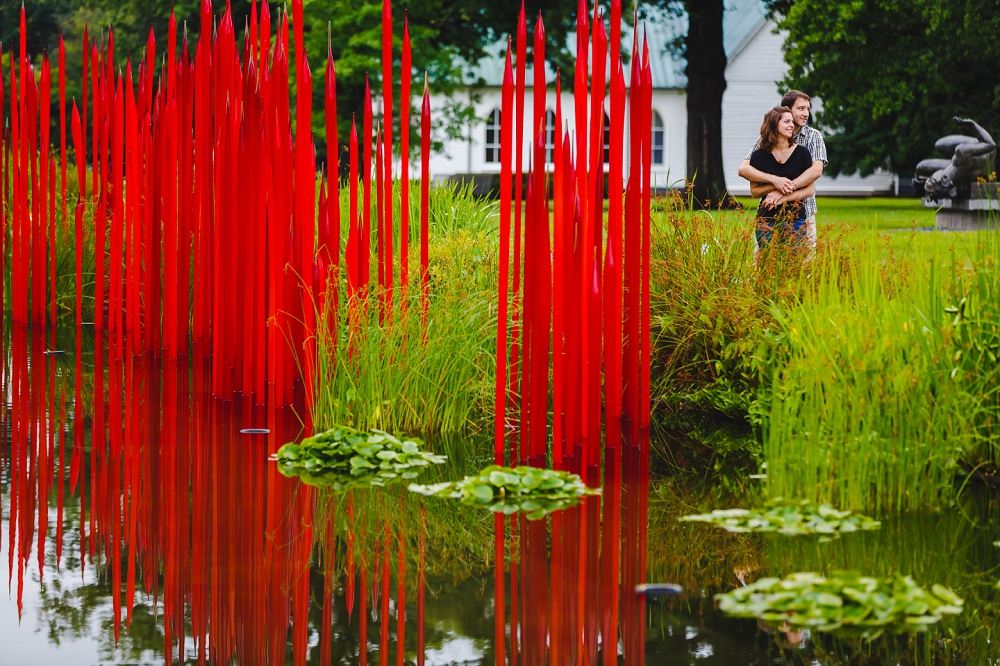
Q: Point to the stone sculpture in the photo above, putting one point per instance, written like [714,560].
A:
[969,158]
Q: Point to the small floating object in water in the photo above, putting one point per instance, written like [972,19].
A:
[659,590]
[255,431]
[52,352]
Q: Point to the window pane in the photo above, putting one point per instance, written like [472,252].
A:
[657,138]
[607,139]
[550,135]
[493,136]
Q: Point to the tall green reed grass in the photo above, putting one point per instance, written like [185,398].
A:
[65,246]
[395,376]
[713,333]
[885,383]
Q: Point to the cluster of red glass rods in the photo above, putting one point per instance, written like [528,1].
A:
[581,316]
[212,239]
[209,230]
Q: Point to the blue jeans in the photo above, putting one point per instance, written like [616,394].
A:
[794,231]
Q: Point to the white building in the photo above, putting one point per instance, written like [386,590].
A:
[755,65]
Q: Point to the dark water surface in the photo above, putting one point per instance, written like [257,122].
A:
[215,556]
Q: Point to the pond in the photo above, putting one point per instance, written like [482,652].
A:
[179,540]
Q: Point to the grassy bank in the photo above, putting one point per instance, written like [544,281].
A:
[865,376]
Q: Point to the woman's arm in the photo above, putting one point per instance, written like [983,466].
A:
[756,176]
[758,189]
[798,195]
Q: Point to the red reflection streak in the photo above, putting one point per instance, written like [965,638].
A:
[329,576]
[574,642]
[363,619]
[421,587]
[383,616]
[400,599]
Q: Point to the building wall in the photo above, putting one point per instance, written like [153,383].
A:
[672,107]
[468,154]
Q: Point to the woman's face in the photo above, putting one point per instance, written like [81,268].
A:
[786,126]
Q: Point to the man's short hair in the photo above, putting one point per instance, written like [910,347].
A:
[792,96]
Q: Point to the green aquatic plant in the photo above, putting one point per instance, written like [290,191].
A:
[425,375]
[342,458]
[789,517]
[846,604]
[531,490]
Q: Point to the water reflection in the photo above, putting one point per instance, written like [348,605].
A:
[174,536]
[147,527]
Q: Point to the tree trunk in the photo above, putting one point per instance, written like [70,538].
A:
[706,81]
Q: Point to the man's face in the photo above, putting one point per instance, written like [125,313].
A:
[800,111]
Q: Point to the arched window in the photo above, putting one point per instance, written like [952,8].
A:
[658,138]
[607,138]
[550,135]
[493,137]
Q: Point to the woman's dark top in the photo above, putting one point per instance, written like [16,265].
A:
[792,168]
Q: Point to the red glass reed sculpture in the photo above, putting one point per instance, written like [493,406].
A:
[182,200]
[585,287]
[197,178]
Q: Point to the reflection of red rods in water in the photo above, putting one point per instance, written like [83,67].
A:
[585,289]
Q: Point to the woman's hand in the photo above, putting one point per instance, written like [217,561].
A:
[774,199]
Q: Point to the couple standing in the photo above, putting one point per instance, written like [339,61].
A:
[782,169]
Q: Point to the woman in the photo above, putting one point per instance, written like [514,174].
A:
[778,155]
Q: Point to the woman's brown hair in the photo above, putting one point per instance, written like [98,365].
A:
[769,128]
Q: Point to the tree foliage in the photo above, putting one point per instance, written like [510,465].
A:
[444,34]
[891,75]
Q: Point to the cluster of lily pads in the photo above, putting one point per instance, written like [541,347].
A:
[792,518]
[846,604]
[342,458]
[530,490]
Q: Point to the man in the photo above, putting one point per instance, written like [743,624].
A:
[808,138]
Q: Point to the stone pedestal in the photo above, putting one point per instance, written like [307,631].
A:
[980,211]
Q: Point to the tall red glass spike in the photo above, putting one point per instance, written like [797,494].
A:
[406,73]
[387,148]
[425,157]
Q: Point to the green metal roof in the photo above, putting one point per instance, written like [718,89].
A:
[742,20]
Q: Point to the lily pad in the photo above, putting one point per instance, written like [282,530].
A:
[788,517]
[533,491]
[342,458]
[846,604]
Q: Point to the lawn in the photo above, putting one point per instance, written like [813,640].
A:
[906,227]
[887,214]
[883,214]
